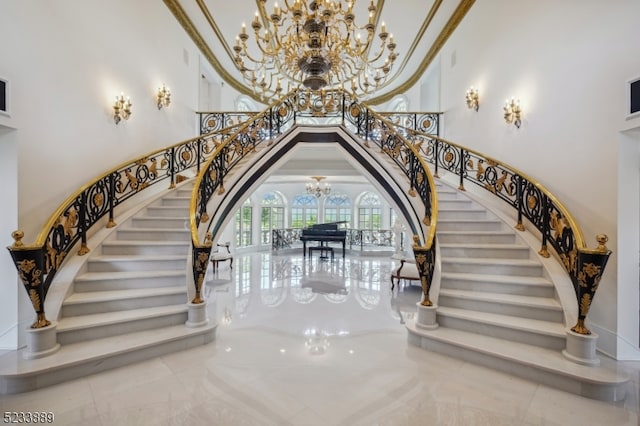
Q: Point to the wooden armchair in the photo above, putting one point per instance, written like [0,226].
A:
[406,271]
[221,256]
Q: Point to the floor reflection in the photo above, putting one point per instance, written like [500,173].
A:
[310,297]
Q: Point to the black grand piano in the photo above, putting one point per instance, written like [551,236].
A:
[324,233]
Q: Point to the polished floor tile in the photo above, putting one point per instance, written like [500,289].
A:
[304,342]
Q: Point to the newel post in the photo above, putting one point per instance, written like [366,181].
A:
[31,266]
[586,275]
[197,308]
[425,263]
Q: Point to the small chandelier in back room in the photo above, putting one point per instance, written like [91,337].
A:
[314,45]
[316,189]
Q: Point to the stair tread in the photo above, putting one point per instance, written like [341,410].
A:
[530,301]
[492,260]
[137,229]
[91,276]
[522,353]
[477,232]
[135,257]
[109,295]
[147,217]
[97,349]
[517,323]
[514,246]
[145,243]
[115,317]
[510,279]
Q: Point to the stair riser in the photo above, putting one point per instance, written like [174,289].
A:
[66,337]
[469,225]
[492,269]
[460,214]
[184,193]
[542,314]
[470,238]
[444,195]
[604,392]
[482,252]
[175,202]
[123,305]
[145,249]
[160,222]
[140,265]
[129,283]
[168,212]
[145,235]
[454,204]
[493,287]
[522,336]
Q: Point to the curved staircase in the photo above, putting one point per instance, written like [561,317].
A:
[133,282]
[498,307]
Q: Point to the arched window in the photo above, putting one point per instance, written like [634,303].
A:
[369,212]
[271,215]
[337,208]
[304,211]
[243,224]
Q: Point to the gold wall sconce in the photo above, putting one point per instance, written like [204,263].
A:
[512,112]
[163,97]
[121,108]
[473,100]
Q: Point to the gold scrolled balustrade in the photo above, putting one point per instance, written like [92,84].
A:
[38,263]
[533,201]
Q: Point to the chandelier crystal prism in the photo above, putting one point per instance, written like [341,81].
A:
[315,45]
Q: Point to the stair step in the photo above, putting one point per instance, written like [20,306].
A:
[104,281]
[160,222]
[168,211]
[95,326]
[136,247]
[452,224]
[493,266]
[157,234]
[458,213]
[539,308]
[174,201]
[94,302]
[123,263]
[507,251]
[81,359]
[539,365]
[485,237]
[505,284]
[547,334]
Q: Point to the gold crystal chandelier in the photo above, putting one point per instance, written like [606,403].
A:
[315,45]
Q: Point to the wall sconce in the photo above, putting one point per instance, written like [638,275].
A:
[163,97]
[472,98]
[121,108]
[512,112]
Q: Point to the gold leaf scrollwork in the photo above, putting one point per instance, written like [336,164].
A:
[419,178]
[26,265]
[211,122]
[558,225]
[186,155]
[98,199]
[585,303]
[355,110]
[213,175]
[426,123]
[164,163]
[532,201]
[500,182]
[421,259]
[70,221]
[448,157]
[591,270]
[35,299]
[481,169]
[154,167]
[282,111]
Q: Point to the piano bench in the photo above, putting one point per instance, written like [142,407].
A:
[322,249]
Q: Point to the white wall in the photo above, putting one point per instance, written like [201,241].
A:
[568,62]
[66,61]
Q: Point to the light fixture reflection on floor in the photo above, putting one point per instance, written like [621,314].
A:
[314,44]
[316,189]
[316,341]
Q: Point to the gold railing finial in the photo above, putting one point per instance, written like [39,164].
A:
[602,240]
[17,236]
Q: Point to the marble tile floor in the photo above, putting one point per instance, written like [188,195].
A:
[314,343]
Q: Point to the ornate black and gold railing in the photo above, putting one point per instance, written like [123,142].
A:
[390,139]
[531,201]
[280,116]
[425,122]
[38,263]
